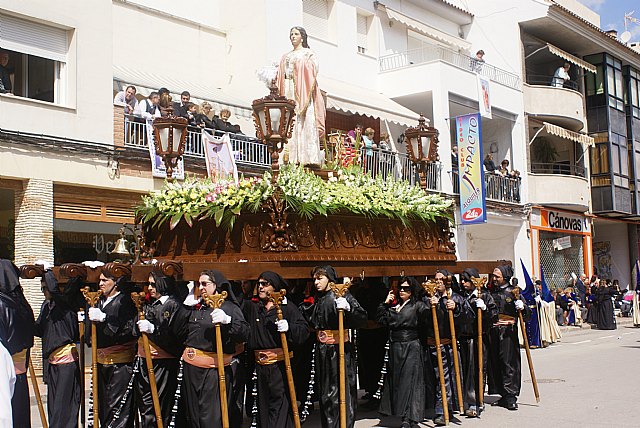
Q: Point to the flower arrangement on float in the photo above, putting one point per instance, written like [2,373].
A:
[347,190]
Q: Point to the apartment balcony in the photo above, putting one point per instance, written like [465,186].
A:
[557,105]
[559,186]
[497,187]
[252,156]
[431,53]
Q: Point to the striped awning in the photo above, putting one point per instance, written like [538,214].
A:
[571,58]
[424,28]
[561,132]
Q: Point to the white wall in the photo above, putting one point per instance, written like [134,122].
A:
[87,111]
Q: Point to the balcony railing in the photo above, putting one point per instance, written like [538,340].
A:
[546,80]
[497,187]
[253,153]
[248,151]
[558,168]
[430,53]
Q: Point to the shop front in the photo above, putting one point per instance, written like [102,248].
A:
[561,245]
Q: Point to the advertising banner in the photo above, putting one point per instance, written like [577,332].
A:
[473,204]
[484,96]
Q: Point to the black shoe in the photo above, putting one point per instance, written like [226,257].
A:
[439,420]
[405,424]
[511,406]
[502,402]
[368,396]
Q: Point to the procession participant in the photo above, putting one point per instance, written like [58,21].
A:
[468,338]
[57,325]
[461,313]
[404,389]
[16,334]
[114,317]
[195,326]
[323,316]
[504,355]
[159,313]
[606,319]
[274,405]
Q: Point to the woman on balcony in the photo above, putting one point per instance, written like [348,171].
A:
[297,80]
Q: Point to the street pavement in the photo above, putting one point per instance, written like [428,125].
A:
[589,379]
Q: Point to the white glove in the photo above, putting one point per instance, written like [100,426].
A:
[480,304]
[146,327]
[341,303]
[218,316]
[80,316]
[97,315]
[538,299]
[519,305]
[191,300]
[282,326]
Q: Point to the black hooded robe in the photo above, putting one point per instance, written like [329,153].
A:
[606,319]
[161,313]
[195,328]
[323,315]
[468,339]
[17,327]
[113,379]
[504,350]
[57,325]
[404,388]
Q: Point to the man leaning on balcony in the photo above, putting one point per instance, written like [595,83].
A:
[561,76]
[149,108]
[127,99]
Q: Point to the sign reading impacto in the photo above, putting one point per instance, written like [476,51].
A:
[473,207]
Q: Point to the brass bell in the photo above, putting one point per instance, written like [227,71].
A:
[122,247]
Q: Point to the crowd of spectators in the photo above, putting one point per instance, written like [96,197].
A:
[160,104]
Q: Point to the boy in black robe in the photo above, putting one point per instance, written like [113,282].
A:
[114,316]
[274,405]
[166,350]
[468,339]
[195,326]
[323,316]
[57,325]
[504,356]
[17,326]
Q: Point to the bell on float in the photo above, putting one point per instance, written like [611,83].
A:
[121,249]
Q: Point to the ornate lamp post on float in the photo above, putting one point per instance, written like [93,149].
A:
[422,147]
[170,135]
[273,117]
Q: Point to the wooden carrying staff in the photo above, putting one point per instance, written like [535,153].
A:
[81,351]
[215,302]
[36,391]
[456,361]
[516,294]
[92,298]
[138,298]
[340,290]
[430,288]
[276,297]
[479,283]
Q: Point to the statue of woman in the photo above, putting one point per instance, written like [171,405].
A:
[297,80]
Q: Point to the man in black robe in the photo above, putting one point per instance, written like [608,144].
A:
[57,325]
[504,355]
[606,319]
[468,339]
[461,313]
[265,344]
[195,326]
[17,326]
[114,316]
[166,350]
[323,316]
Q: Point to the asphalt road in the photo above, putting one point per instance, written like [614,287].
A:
[589,379]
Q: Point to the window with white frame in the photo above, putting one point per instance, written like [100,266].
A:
[362,28]
[315,17]
[37,58]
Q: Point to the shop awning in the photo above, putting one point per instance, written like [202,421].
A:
[348,98]
[572,59]
[561,132]
[146,82]
[424,28]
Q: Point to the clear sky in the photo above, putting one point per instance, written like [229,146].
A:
[612,15]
